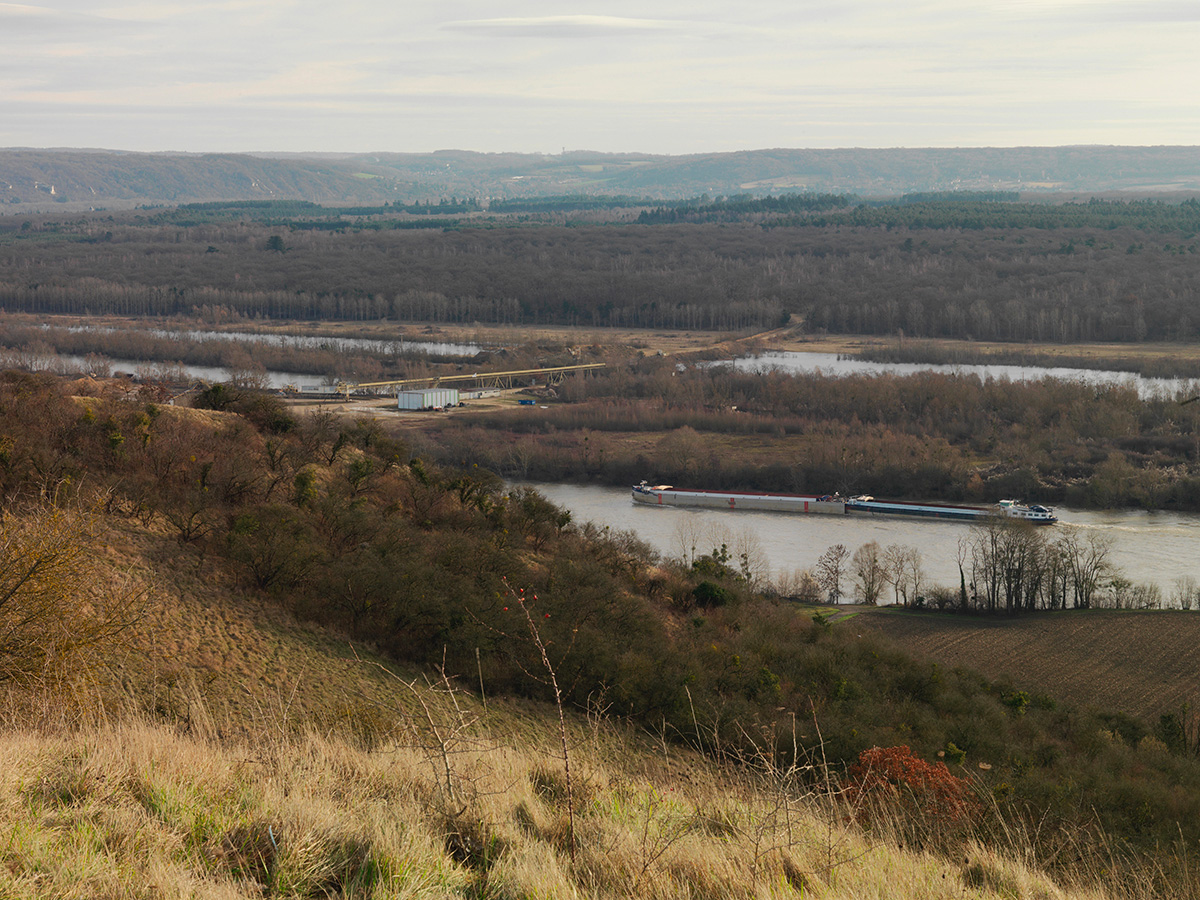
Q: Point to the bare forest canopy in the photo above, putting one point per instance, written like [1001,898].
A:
[929,436]
[980,266]
[97,177]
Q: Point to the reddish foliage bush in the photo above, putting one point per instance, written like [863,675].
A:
[892,777]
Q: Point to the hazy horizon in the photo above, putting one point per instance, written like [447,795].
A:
[268,152]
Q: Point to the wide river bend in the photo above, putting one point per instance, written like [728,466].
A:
[1147,547]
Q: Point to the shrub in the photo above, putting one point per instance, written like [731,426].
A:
[708,594]
[893,779]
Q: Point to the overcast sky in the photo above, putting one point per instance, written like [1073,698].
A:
[662,76]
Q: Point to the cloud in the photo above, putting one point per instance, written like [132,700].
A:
[1103,12]
[22,19]
[307,74]
[578,26]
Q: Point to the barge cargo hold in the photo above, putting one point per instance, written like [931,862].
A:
[666,495]
[832,504]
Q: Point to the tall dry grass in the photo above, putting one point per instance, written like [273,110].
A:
[433,796]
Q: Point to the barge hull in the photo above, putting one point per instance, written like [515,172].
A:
[747,500]
[955,513]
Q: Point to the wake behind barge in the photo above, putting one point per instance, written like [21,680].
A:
[832,504]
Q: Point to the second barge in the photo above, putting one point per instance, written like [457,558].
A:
[1005,509]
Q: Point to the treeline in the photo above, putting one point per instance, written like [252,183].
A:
[928,436]
[340,523]
[997,284]
[740,208]
[952,197]
[242,207]
[567,203]
[343,225]
[280,210]
[1155,216]
[1006,567]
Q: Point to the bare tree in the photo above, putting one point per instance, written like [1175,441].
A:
[798,584]
[1184,592]
[894,571]
[752,562]
[688,537]
[868,566]
[831,566]
[1086,554]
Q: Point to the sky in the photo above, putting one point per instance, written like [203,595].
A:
[655,76]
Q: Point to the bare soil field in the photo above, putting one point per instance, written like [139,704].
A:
[1144,663]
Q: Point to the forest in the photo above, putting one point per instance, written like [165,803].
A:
[1120,271]
[929,436]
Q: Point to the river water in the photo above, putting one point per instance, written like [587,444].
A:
[64,363]
[1147,547]
[68,364]
[301,341]
[835,365]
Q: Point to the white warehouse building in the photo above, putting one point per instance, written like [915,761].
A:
[428,398]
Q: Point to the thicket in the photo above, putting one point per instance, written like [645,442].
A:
[927,436]
[340,523]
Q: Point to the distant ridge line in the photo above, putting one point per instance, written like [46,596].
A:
[106,176]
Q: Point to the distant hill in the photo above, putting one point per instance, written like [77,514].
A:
[101,177]
[90,177]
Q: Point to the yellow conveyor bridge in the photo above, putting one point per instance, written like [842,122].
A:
[482,380]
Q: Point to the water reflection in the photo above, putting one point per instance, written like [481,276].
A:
[835,365]
[396,347]
[69,364]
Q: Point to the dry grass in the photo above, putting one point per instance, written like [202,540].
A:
[131,808]
[248,756]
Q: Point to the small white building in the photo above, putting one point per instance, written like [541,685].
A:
[428,398]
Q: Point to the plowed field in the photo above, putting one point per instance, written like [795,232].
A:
[1142,663]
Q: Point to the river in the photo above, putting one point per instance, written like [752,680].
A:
[1147,547]
[394,347]
[835,365]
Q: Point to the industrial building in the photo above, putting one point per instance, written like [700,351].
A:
[427,398]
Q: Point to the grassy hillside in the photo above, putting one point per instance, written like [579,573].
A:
[225,622]
[137,810]
[1140,663]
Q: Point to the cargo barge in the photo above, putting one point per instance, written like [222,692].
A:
[666,495]
[832,504]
